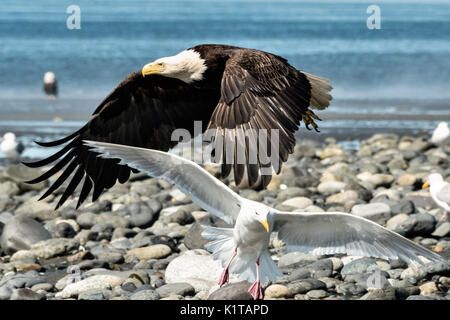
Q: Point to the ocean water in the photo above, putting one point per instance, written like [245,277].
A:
[393,79]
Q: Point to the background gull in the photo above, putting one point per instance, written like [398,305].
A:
[243,250]
[11,147]
[441,135]
[440,192]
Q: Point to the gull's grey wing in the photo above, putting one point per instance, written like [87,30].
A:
[207,191]
[337,232]
[444,194]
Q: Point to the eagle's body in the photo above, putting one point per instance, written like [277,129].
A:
[233,91]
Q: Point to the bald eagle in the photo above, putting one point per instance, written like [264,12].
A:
[231,90]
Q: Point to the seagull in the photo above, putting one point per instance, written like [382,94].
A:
[243,249]
[440,192]
[441,135]
[10,147]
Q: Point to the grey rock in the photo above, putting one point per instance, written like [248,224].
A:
[380,294]
[182,289]
[5,293]
[419,224]
[419,297]
[86,220]
[156,239]
[181,217]
[64,230]
[372,211]
[321,268]
[292,258]
[20,173]
[442,231]
[426,203]
[9,188]
[305,285]
[317,294]
[108,253]
[95,294]
[359,266]
[42,286]
[148,294]
[300,273]
[404,292]
[123,233]
[103,230]
[232,291]
[291,192]
[350,289]
[404,206]
[143,214]
[5,216]
[26,294]
[26,280]
[21,232]
[121,243]
[54,247]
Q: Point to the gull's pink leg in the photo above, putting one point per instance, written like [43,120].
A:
[225,277]
[255,289]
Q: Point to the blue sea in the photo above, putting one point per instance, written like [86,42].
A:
[393,79]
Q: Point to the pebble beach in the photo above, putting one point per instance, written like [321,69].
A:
[142,240]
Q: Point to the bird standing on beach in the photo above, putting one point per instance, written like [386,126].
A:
[234,92]
[243,249]
[439,191]
[10,147]
[50,85]
[441,135]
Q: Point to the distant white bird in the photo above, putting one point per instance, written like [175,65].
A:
[440,191]
[441,135]
[10,147]
[50,84]
[243,250]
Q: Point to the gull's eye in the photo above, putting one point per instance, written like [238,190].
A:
[257,213]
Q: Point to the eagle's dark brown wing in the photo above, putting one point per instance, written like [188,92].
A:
[262,91]
[140,112]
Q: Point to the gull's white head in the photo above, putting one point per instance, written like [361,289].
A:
[9,136]
[434,179]
[442,125]
[260,213]
[49,77]
[188,66]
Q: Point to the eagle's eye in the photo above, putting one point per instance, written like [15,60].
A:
[257,213]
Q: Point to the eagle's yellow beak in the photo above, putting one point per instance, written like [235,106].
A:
[266,225]
[152,68]
[425,185]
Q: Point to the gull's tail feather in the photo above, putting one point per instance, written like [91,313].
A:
[221,245]
[268,269]
[244,264]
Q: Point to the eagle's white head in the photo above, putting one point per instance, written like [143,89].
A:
[188,66]
[49,77]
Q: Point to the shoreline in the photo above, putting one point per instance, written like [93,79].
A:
[147,227]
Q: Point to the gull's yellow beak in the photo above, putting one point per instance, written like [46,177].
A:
[152,68]
[425,185]
[266,225]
